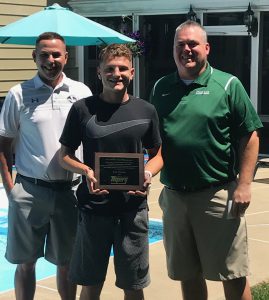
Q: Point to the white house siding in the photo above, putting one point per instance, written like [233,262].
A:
[147,7]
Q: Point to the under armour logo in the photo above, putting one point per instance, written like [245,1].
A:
[34,100]
[72,98]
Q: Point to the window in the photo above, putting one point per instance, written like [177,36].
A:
[221,19]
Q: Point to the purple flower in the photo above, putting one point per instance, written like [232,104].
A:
[138,47]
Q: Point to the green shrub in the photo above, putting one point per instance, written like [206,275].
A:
[260,291]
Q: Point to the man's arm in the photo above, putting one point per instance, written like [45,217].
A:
[248,154]
[6,160]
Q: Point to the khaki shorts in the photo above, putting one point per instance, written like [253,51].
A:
[41,222]
[199,236]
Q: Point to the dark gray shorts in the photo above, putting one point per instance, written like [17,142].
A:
[41,222]
[128,233]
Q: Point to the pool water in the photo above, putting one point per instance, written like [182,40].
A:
[43,268]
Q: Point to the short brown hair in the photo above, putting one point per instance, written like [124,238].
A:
[49,36]
[115,50]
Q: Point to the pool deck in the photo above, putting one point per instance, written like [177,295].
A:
[161,286]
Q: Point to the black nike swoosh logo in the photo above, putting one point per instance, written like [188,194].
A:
[96,131]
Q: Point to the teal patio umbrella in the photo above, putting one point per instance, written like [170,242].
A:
[76,29]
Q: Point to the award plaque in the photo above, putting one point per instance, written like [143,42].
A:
[119,171]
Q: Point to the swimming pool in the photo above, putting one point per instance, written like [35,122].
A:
[44,268]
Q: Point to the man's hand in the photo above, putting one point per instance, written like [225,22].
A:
[241,199]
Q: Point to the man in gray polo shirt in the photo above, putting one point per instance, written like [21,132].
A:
[42,207]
